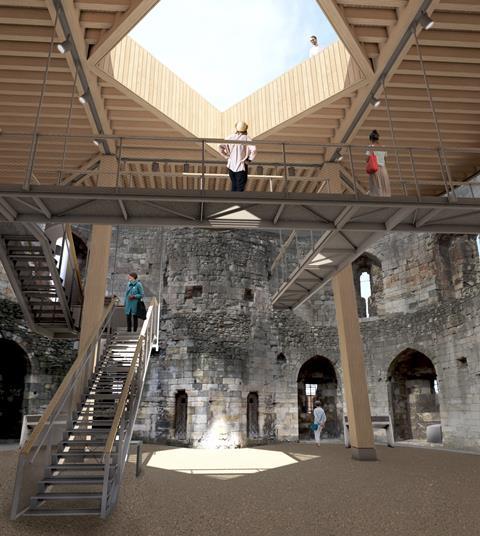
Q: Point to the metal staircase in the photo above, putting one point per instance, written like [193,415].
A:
[46,282]
[73,462]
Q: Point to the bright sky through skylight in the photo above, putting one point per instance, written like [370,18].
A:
[227,49]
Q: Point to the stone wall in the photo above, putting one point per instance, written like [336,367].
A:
[218,346]
[48,359]
[221,339]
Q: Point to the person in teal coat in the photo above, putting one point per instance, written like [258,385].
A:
[133,295]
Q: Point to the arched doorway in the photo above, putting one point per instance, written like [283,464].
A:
[14,367]
[413,395]
[181,407]
[317,380]
[252,416]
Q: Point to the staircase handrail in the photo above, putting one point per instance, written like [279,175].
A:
[59,397]
[131,373]
[127,408]
[57,419]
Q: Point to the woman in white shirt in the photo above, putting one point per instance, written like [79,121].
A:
[379,182]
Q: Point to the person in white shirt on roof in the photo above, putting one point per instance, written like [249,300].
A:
[238,156]
[316,48]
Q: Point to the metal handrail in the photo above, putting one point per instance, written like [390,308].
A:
[223,140]
[127,407]
[59,397]
[306,157]
[57,418]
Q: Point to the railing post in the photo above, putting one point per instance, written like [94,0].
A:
[350,156]
[442,171]
[285,168]
[119,162]
[202,178]
[105,488]
[447,169]
[31,159]
[414,170]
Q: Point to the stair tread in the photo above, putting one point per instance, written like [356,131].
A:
[36,512]
[76,467]
[67,496]
[72,480]
[86,442]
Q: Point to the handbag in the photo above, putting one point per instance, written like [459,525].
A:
[372,164]
[313,426]
[141,310]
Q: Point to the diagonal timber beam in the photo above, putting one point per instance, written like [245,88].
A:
[334,14]
[391,54]
[68,27]
[123,24]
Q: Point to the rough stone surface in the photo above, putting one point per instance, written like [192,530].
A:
[221,340]
[48,359]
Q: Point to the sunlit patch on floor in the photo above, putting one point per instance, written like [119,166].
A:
[222,464]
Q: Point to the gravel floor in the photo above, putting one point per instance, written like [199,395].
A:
[286,489]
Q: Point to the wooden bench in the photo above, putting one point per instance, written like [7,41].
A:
[383,422]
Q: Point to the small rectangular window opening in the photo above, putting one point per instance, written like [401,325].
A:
[248,294]
[194,291]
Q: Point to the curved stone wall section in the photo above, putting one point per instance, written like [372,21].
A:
[219,344]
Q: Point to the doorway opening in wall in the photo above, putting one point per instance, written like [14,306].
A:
[181,410]
[252,416]
[413,395]
[317,380]
[14,368]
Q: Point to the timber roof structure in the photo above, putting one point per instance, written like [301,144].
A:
[313,120]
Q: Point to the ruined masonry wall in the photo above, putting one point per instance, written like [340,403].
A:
[218,346]
[49,360]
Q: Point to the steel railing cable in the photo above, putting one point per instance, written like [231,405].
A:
[114,271]
[68,125]
[33,147]
[394,137]
[435,119]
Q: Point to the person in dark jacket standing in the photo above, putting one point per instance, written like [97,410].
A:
[133,295]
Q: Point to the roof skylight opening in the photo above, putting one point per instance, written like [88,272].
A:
[227,50]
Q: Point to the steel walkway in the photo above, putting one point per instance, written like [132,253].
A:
[350,213]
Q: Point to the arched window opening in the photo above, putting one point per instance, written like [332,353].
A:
[413,393]
[368,282]
[252,416]
[14,367]
[317,380]
[181,410]
[366,290]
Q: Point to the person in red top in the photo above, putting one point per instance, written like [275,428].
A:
[379,182]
